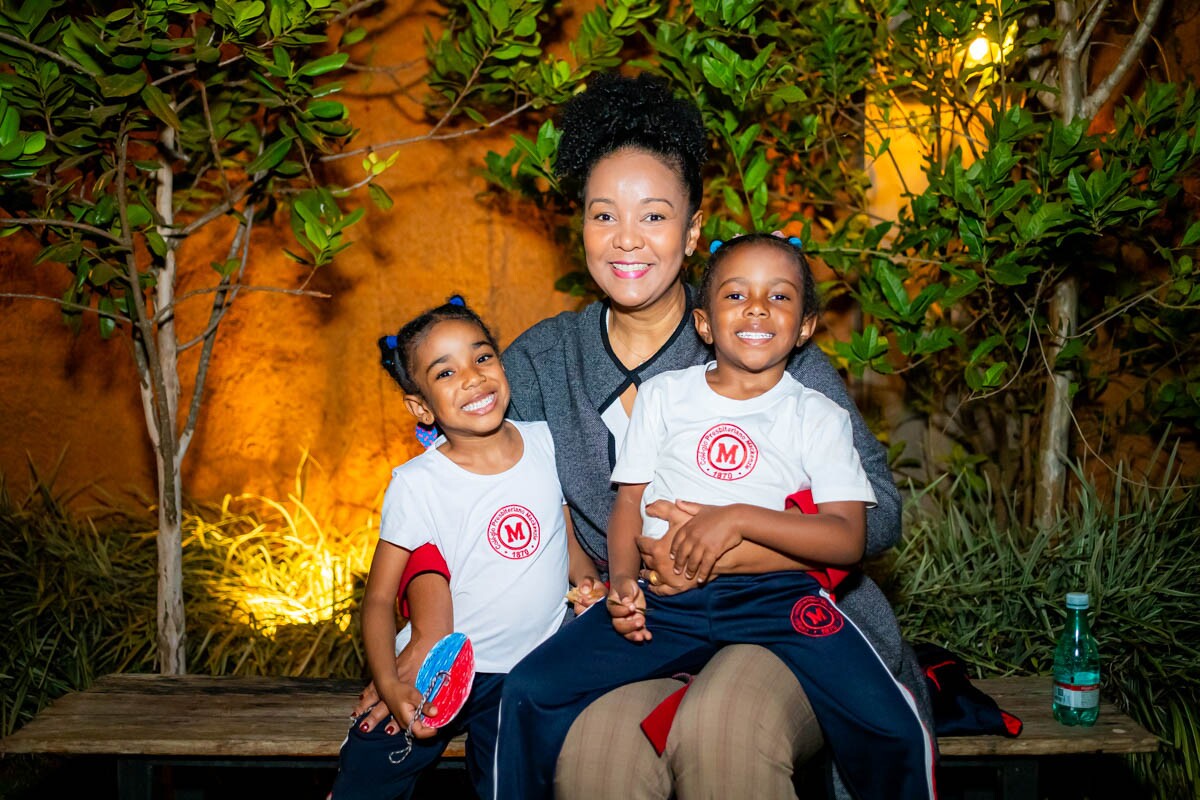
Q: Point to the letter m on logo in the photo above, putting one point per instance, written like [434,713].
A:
[726,453]
[515,533]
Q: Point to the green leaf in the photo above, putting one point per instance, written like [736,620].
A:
[270,157]
[379,196]
[1191,236]
[757,171]
[10,126]
[122,84]
[160,106]
[353,36]
[324,65]
[137,215]
[34,143]
[107,324]
[499,14]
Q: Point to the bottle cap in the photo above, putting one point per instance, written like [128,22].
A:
[1077,600]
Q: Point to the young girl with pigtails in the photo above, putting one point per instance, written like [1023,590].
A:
[486,493]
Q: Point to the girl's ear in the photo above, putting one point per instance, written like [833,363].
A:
[700,318]
[417,407]
[807,328]
[693,233]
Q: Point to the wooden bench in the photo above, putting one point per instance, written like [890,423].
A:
[151,720]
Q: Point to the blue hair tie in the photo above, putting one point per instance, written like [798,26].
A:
[715,246]
[457,300]
[392,342]
[427,434]
[796,241]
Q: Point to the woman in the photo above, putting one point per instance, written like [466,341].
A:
[634,153]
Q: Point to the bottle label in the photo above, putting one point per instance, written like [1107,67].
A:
[1081,697]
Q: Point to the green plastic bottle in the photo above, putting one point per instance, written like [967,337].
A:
[1077,667]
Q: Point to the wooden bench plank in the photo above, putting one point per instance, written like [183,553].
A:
[1029,699]
[203,716]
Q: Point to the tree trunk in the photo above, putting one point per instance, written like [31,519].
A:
[1056,413]
[172,654]
[1076,22]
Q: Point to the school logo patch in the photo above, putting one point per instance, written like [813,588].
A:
[514,532]
[815,616]
[726,453]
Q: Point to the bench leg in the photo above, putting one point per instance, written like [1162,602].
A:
[1019,779]
[135,779]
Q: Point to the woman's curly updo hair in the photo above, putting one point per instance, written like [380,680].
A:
[396,351]
[615,113]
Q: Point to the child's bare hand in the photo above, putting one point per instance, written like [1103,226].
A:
[627,605]
[408,705]
[698,544]
[585,593]
[408,663]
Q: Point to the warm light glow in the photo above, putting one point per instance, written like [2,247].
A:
[979,49]
[316,589]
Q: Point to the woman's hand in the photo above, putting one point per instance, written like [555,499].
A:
[627,605]
[711,532]
[659,573]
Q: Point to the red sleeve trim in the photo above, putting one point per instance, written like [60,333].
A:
[426,558]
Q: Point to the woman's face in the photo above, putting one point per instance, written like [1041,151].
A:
[636,228]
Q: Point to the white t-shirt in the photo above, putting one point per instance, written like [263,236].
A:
[690,443]
[503,537]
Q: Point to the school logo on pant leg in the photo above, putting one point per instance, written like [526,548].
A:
[815,616]
[514,532]
[726,452]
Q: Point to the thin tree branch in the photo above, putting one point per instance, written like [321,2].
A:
[67,304]
[216,211]
[50,54]
[1086,35]
[377,148]
[1092,103]
[241,239]
[62,223]
[354,9]
[240,287]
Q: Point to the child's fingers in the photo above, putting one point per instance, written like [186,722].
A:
[378,713]
[704,570]
[681,551]
[369,697]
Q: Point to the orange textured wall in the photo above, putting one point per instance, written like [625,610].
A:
[288,374]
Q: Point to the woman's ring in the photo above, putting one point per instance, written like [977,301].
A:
[654,579]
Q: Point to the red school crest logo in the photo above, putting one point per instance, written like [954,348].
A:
[726,453]
[514,532]
[815,616]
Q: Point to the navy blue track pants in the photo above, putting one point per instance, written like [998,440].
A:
[366,770]
[869,720]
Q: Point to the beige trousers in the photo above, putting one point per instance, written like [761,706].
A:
[742,726]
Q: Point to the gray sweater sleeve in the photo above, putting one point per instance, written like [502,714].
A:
[812,368]
[526,403]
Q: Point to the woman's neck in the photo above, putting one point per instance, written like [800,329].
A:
[637,334]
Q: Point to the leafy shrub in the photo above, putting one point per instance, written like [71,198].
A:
[983,590]
[267,591]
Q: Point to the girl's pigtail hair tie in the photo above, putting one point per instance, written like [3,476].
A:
[796,242]
[427,434]
[457,300]
[391,342]
[715,246]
